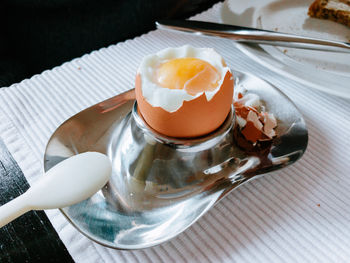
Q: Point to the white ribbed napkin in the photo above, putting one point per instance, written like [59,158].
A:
[298,214]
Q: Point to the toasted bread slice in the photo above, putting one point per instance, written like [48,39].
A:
[335,10]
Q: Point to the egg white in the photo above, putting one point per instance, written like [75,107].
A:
[172,99]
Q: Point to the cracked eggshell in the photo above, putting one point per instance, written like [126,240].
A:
[195,117]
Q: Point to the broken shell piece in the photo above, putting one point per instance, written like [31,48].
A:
[253,117]
[251,133]
[255,125]
[251,100]
[270,124]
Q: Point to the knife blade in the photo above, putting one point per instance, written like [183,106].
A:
[253,35]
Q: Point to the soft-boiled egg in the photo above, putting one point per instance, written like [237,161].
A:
[185,91]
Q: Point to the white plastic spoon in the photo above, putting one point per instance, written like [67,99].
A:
[69,182]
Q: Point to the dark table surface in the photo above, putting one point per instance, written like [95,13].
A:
[38,35]
[30,238]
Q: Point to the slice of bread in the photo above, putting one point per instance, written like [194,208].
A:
[335,10]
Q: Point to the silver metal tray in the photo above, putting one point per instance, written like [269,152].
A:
[160,186]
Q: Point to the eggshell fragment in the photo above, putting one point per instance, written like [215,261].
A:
[251,132]
[255,126]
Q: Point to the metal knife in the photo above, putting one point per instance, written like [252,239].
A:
[253,35]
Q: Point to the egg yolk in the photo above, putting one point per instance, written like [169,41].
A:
[191,74]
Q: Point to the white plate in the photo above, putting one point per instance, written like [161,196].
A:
[325,71]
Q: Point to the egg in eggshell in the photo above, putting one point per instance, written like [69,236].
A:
[184,92]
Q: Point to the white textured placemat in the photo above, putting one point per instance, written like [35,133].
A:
[299,214]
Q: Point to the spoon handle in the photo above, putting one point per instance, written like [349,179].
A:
[13,209]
